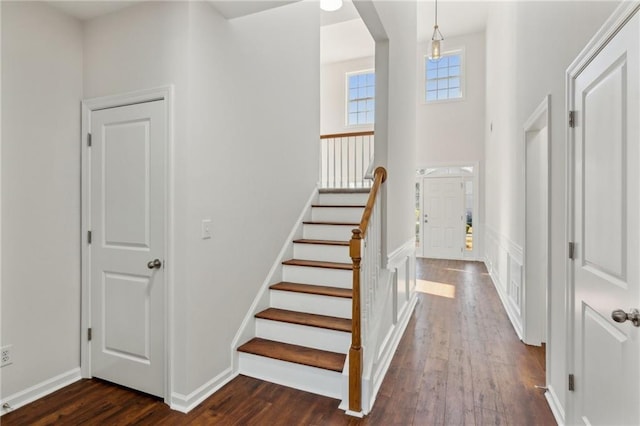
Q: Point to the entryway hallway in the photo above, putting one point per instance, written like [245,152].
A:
[459,362]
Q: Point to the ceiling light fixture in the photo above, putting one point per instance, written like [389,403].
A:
[436,38]
[330,5]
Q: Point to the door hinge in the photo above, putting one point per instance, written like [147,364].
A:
[572,385]
[572,119]
[572,250]
[89,334]
[88,139]
[89,237]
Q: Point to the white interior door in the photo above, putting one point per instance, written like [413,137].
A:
[606,266]
[128,235]
[443,218]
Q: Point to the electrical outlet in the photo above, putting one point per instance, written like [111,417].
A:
[6,356]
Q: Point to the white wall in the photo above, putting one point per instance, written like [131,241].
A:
[452,132]
[254,108]
[42,88]
[521,70]
[142,47]
[395,144]
[333,88]
[245,156]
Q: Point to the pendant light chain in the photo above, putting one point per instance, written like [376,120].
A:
[436,38]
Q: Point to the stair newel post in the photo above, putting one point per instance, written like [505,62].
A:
[355,352]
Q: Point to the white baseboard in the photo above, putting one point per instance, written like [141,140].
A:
[186,403]
[40,390]
[556,407]
[358,414]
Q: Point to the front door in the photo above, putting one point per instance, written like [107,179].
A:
[606,229]
[443,218]
[128,245]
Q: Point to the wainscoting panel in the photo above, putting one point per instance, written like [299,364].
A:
[504,260]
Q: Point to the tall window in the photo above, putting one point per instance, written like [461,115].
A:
[361,98]
[443,79]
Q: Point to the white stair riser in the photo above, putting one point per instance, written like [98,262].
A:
[302,335]
[337,214]
[311,303]
[328,232]
[325,253]
[309,379]
[318,276]
[343,199]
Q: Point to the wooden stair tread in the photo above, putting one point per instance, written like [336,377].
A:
[322,242]
[313,289]
[303,318]
[345,190]
[293,353]
[340,206]
[318,264]
[309,222]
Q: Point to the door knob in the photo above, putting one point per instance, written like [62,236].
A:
[154,264]
[621,316]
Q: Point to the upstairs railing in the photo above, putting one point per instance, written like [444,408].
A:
[344,159]
[365,249]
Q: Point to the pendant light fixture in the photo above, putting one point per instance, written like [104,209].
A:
[436,38]
[330,5]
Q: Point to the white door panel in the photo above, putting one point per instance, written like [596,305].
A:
[128,223]
[606,269]
[443,213]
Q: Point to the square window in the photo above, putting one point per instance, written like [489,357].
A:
[361,98]
[443,77]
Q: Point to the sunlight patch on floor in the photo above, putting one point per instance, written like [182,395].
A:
[436,289]
[458,270]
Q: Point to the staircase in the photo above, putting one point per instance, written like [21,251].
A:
[303,338]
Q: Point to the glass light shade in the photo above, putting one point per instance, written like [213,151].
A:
[330,5]
[435,49]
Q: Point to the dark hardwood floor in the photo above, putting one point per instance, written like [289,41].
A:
[459,362]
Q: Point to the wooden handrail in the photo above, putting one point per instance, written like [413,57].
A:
[347,135]
[379,176]
[355,246]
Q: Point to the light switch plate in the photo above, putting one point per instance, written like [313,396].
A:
[206,229]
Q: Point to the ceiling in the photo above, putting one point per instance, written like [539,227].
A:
[236,8]
[90,9]
[455,18]
[343,34]
[345,40]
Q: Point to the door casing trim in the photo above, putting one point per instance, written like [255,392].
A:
[478,240]
[88,106]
